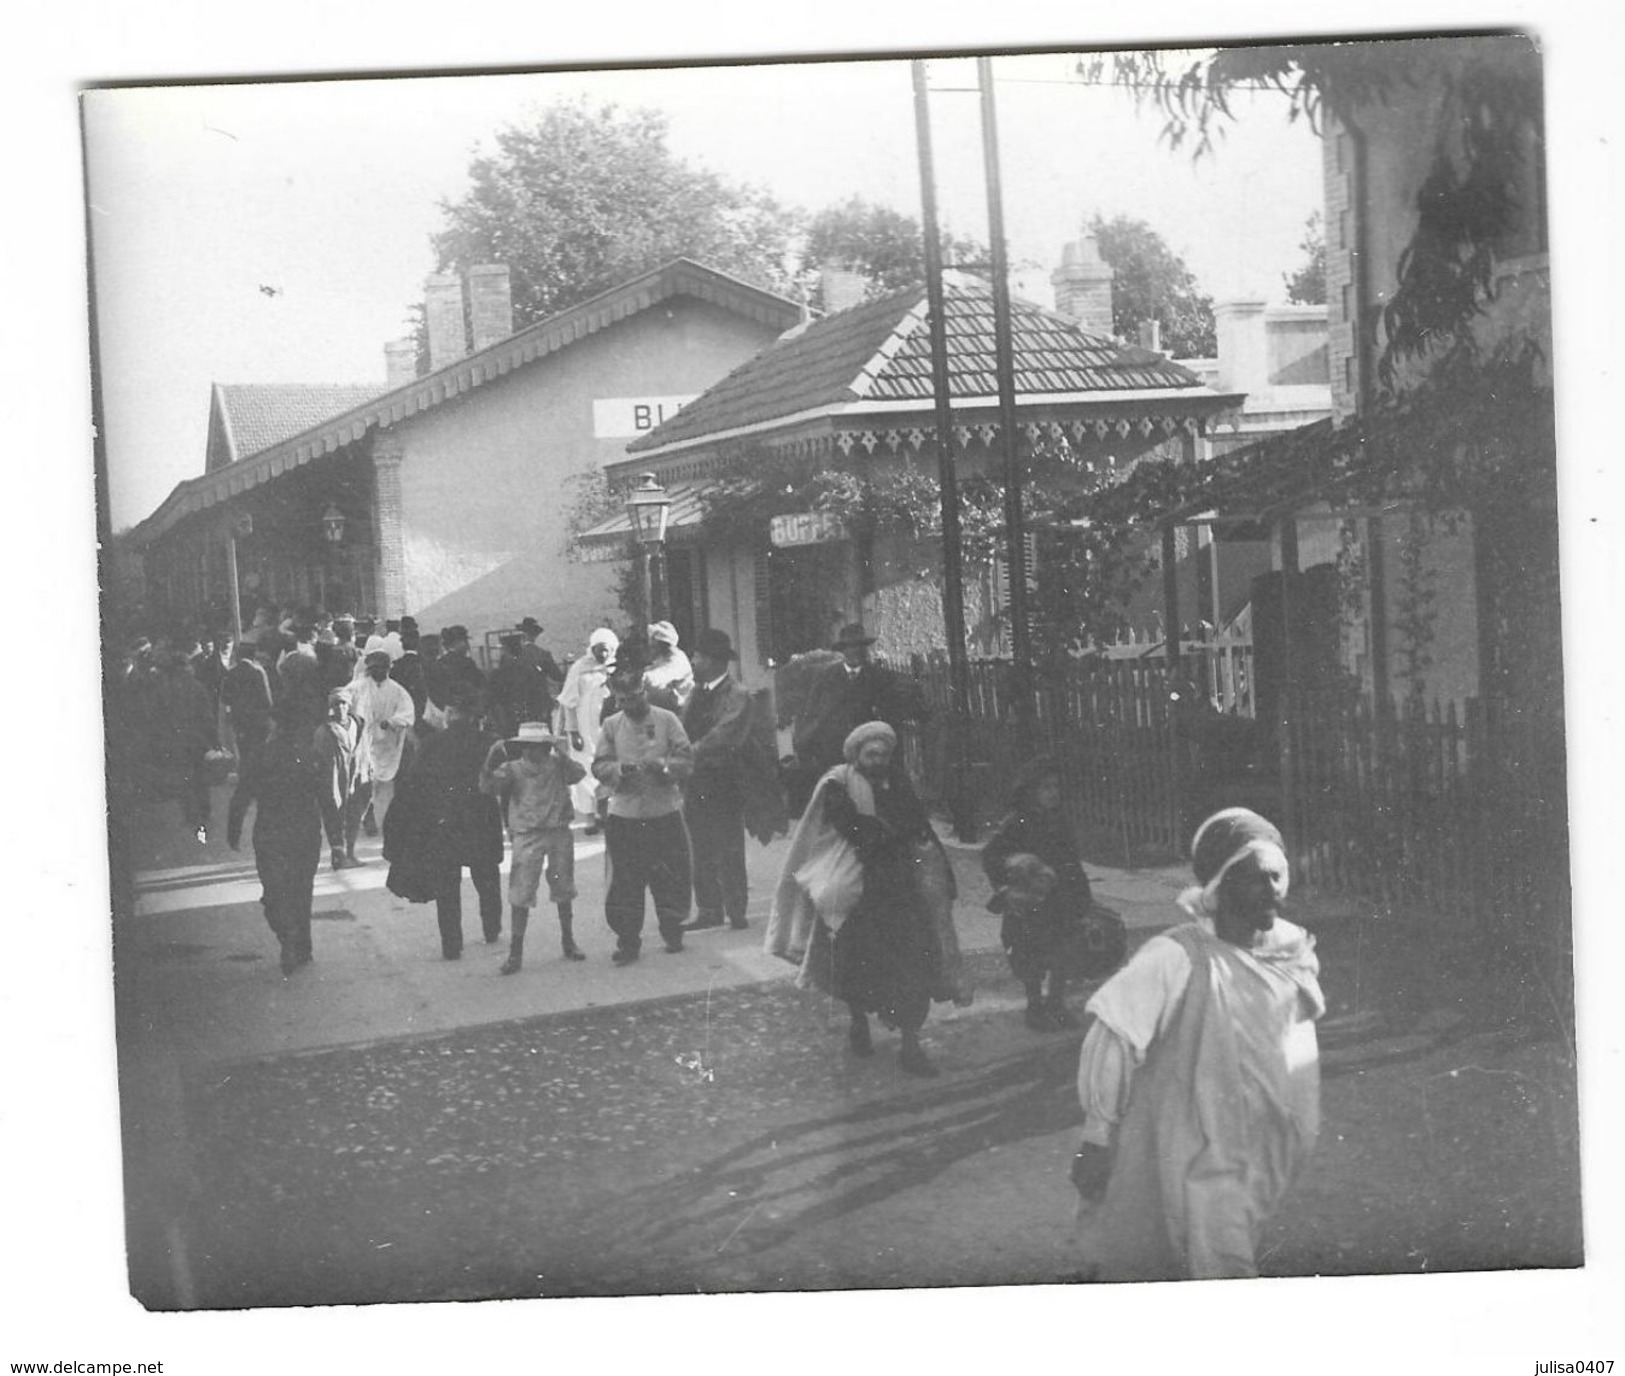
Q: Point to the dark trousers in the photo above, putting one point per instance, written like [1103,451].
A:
[190,773]
[716,827]
[448,903]
[287,884]
[343,824]
[646,853]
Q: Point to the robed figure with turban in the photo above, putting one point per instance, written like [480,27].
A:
[1200,1079]
[864,904]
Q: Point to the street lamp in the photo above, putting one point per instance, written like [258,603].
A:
[648,505]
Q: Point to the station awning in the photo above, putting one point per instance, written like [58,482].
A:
[608,539]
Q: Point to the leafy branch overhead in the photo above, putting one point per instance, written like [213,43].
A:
[1488,149]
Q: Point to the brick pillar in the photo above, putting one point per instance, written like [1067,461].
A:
[1341,306]
[490,303]
[388,452]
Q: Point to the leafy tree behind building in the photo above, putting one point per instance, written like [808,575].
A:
[1307,286]
[585,196]
[1153,283]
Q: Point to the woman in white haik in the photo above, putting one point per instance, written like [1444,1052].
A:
[1200,1079]
[581,702]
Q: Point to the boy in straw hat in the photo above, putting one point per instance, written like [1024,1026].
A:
[539,813]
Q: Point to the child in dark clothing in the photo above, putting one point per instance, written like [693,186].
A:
[1040,888]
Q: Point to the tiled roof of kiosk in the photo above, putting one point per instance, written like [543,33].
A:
[881,351]
[263,414]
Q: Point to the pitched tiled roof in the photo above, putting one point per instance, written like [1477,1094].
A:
[882,352]
[258,415]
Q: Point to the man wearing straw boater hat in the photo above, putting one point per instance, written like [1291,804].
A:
[539,813]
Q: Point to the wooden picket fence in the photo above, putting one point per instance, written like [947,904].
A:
[1429,808]
[1107,725]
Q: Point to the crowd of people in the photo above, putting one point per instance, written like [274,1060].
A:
[1198,1074]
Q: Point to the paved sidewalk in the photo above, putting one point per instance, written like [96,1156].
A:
[198,956]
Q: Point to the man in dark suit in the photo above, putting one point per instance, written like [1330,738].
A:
[845,696]
[717,720]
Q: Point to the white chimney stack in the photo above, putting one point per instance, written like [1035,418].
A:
[1083,287]
[443,306]
[400,361]
[490,303]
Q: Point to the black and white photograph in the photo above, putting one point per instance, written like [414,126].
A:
[905,673]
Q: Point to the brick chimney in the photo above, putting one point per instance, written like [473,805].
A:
[1083,286]
[842,288]
[443,305]
[400,361]
[490,303]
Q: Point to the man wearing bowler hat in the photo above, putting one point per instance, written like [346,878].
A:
[844,697]
[717,720]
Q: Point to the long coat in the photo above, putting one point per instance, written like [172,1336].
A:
[444,819]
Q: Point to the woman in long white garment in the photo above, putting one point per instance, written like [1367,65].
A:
[581,700]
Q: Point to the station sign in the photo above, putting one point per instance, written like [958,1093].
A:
[625,418]
[805,528]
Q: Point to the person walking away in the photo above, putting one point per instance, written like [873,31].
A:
[304,686]
[408,670]
[185,732]
[1041,892]
[581,703]
[643,756]
[846,695]
[533,653]
[537,787]
[386,711]
[245,693]
[454,674]
[1200,1080]
[717,722]
[519,690]
[343,659]
[858,921]
[669,670]
[283,783]
[341,756]
[453,823]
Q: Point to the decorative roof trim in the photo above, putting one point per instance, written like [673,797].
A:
[912,319]
[680,277]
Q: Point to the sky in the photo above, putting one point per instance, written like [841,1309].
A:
[329,193]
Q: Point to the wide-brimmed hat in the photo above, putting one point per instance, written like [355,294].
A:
[714,644]
[853,634]
[531,626]
[664,632]
[535,733]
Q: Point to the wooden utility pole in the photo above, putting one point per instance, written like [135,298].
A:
[953,578]
[1015,525]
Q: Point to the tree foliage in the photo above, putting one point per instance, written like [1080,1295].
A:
[885,245]
[1307,285]
[585,196]
[1153,283]
[1489,126]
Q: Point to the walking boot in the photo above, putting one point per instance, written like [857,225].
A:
[567,934]
[857,1036]
[912,1060]
[1039,1018]
[518,920]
